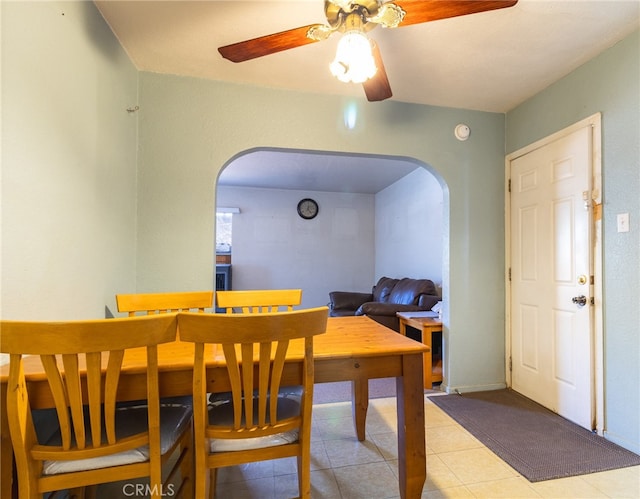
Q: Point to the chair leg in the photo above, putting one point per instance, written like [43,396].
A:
[304,474]
[187,465]
[200,472]
[213,475]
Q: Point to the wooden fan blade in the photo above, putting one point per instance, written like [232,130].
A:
[378,87]
[268,44]
[422,11]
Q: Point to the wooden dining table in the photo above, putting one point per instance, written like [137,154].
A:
[353,349]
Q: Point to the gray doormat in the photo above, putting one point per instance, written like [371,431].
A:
[536,442]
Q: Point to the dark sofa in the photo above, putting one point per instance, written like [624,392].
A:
[387,297]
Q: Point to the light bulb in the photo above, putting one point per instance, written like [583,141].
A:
[354,61]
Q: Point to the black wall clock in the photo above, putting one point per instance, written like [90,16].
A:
[307,208]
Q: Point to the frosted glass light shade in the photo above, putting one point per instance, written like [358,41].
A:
[354,61]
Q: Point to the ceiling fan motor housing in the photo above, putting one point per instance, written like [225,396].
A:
[338,15]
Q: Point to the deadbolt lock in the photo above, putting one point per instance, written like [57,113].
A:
[582,279]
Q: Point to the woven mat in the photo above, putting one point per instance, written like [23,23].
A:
[536,442]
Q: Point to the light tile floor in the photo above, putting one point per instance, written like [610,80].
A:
[458,465]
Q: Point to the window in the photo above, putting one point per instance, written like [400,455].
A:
[224,229]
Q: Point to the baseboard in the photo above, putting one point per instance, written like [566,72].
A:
[616,439]
[473,388]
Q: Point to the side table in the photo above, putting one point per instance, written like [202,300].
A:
[427,326]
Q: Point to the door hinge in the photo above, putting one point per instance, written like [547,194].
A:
[509,274]
[509,186]
[510,364]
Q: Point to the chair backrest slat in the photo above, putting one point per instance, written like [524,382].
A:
[112,376]
[259,301]
[94,394]
[73,389]
[158,303]
[58,391]
[276,375]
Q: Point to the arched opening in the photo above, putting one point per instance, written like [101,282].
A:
[378,216]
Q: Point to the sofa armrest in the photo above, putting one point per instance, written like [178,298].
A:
[427,302]
[347,300]
[388,309]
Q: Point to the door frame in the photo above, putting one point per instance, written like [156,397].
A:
[597,333]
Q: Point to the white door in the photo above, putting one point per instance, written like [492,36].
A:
[551,313]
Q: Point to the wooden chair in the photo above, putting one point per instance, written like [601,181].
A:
[259,420]
[94,442]
[259,300]
[155,303]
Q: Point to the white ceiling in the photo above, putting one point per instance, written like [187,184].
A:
[490,61]
[308,171]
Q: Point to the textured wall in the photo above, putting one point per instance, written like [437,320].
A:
[409,221]
[274,248]
[68,162]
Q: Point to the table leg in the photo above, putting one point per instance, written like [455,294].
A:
[412,457]
[359,405]
[427,339]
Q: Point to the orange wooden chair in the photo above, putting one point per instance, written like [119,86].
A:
[259,420]
[162,303]
[156,303]
[95,442]
[259,300]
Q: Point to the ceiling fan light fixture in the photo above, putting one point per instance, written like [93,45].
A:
[354,61]
[359,60]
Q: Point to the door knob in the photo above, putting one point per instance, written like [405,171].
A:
[579,300]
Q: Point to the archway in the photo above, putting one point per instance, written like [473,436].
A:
[379,215]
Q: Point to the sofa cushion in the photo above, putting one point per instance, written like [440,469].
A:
[347,300]
[377,308]
[383,288]
[407,291]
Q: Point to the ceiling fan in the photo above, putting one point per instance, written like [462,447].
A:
[358,59]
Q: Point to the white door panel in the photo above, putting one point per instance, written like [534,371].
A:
[551,336]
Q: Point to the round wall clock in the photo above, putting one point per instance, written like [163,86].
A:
[307,208]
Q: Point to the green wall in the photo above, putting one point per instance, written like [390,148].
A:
[190,128]
[68,163]
[609,84]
